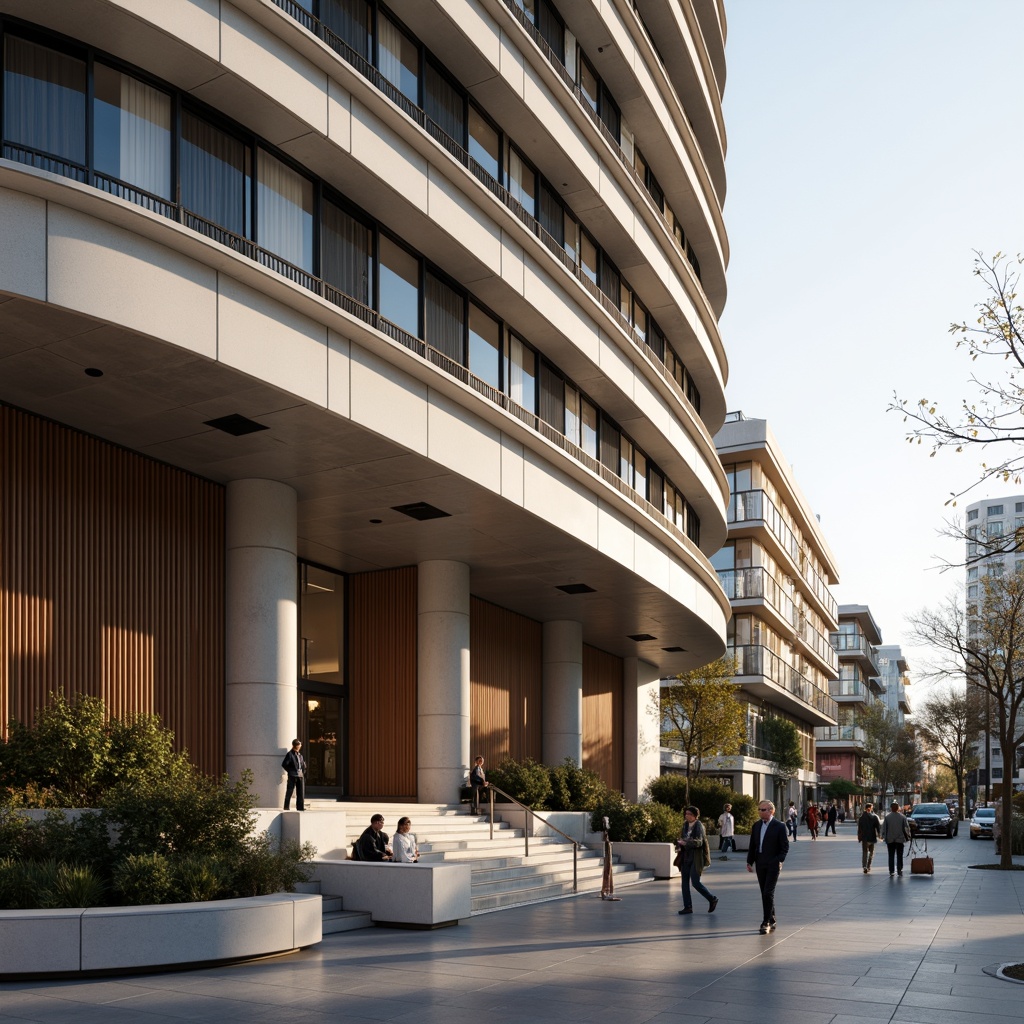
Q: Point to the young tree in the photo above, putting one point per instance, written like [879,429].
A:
[949,722]
[701,716]
[988,650]
[992,420]
[889,750]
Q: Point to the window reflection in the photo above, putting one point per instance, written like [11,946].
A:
[322,624]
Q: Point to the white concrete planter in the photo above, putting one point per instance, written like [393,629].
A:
[575,824]
[36,942]
[415,895]
[656,857]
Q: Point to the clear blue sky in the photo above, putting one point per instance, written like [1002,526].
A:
[873,145]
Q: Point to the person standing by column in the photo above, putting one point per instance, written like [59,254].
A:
[895,832]
[478,781]
[869,831]
[295,765]
[691,844]
[726,831]
[769,846]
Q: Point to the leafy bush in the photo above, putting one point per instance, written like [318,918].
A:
[260,869]
[1017,834]
[143,879]
[574,788]
[526,781]
[666,824]
[709,795]
[77,885]
[669,790]
[627,822]
[200,877]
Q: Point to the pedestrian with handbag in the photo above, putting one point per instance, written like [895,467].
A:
[693,856]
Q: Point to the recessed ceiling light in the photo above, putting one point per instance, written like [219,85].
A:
[236,425]
[93,371]
[638,637]
[576,588]
[376,520]
[674,650]
[421,510]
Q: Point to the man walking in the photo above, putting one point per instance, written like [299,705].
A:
[726,831]
[769,846]
[692,843]
[895,832]
[869,831]
[295,765]
[830,818]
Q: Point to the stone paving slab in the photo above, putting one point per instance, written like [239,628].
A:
[850,949]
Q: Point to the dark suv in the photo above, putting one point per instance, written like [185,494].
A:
[933,820]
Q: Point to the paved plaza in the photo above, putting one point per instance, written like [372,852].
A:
[850,949]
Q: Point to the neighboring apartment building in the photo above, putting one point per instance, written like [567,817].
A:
[776,568]
[359,368]
[841,746]
[894,675]
[990,527]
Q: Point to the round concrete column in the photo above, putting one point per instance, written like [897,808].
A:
[442,648]
[261,633]
[563,692]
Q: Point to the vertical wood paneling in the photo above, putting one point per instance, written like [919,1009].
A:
[602,715]
[505,666]
[111,582]
[381,706]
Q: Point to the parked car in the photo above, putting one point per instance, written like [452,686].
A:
[982,821]
[933,820]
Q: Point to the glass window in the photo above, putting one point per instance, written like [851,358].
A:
[444,104]
[588,437]
[611,283]
[973,514]
[551,217]
[347,256]
[215,174]
[398,58]
[610,113]
[588,256]
[572,414]
[484,346]
[552,397]
[399,286]
[610,439]
[522,181]
[725,558]
[484,143]
[994,529]
[552,29]
[132,131]
[445,318]
[589,83]
[322,623]
[640,473]
[521,374]
[639,321]
[285,205]
[44,100]
[626,459]
[994,510]
[626,301]
[657,489]
[350,21]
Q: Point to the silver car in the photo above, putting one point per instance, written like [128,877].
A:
[982,821]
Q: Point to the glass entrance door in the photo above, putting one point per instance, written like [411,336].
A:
[323,731]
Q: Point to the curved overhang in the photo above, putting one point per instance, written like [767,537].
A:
[359,426]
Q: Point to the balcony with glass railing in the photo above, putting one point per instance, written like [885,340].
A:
[851,734]
[756,660]
[755,582]
[851,645]
[756,506]
[850,688]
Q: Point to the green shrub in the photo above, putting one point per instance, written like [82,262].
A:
[627,822]
[13,831]
[666,823]
[200,877]
[669,790]
[709,795]
[77,885]
[27,885]
[526,781]
[1017,834]
[574,788]
[260,869]
[143,879]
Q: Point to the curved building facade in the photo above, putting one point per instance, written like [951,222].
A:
[359,368]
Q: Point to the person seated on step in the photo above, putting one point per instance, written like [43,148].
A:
[406,850]
[373,843]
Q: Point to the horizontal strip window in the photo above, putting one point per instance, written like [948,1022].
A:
[237,191]
[407,73]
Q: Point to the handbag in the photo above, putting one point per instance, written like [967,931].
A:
[922,865]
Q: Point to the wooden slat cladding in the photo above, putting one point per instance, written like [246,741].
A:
[381,706]
[602,715]
[111,582]
[506,671]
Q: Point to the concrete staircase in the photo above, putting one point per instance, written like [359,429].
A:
[502,875]
[335,917]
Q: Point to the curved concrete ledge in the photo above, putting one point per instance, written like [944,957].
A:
[125,939]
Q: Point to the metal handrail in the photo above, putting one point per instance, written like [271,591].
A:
[492,789]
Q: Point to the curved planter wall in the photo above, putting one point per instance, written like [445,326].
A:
[115,939]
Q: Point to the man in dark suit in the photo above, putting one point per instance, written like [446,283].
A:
[769,845]
[295,765]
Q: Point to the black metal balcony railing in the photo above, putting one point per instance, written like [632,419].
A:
[458,152]
[756,505]
[756,660]
[250,250]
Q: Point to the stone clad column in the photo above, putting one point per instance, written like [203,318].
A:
[442,648]
[563,692]
[641,726]
[261,633]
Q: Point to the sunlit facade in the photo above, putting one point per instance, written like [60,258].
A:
[359,369]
